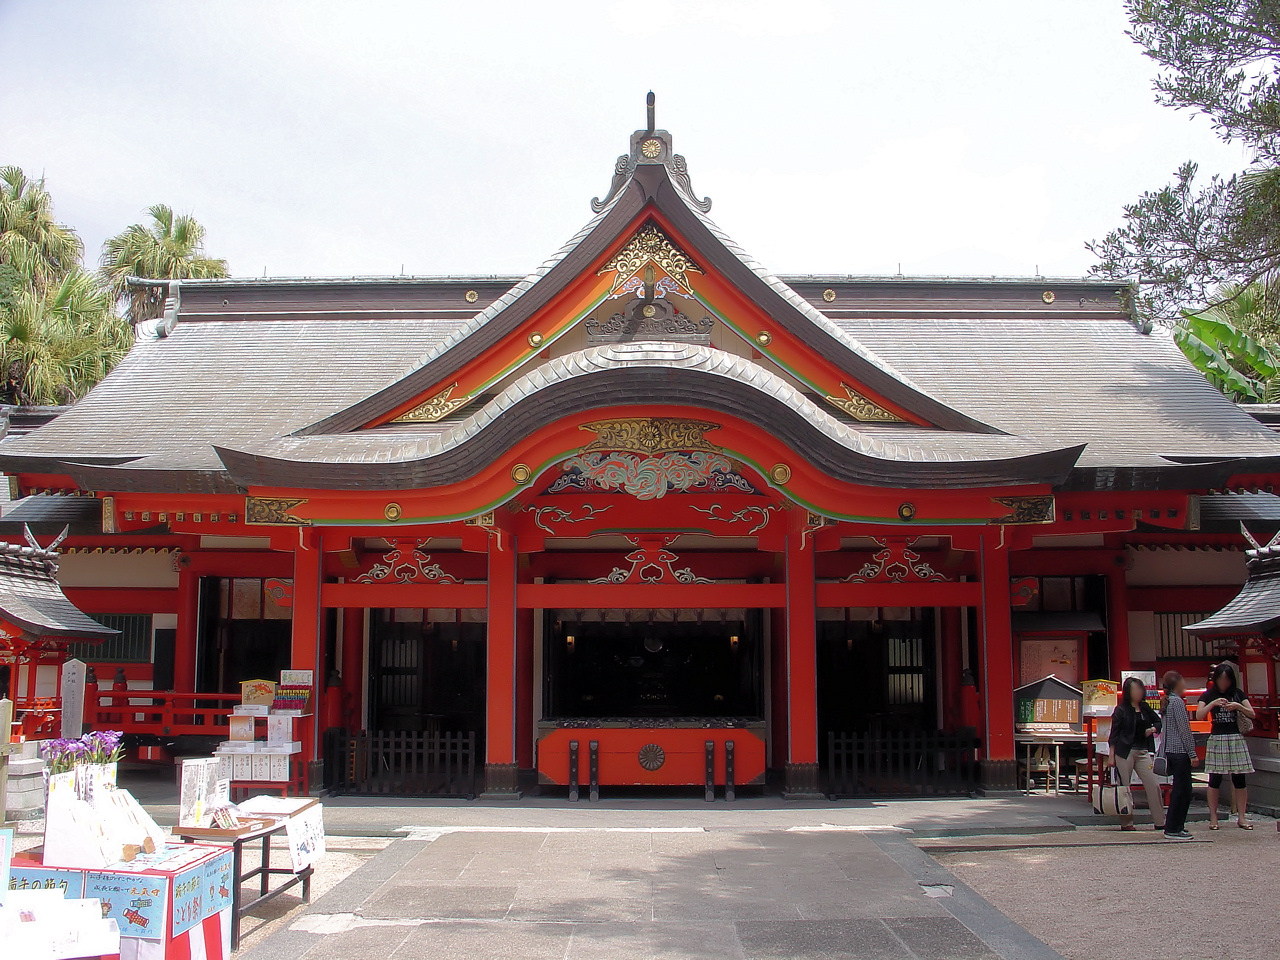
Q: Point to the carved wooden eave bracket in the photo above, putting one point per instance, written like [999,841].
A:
[652,562]
[897,562]
[406,563]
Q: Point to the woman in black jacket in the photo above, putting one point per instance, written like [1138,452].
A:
[1134,726]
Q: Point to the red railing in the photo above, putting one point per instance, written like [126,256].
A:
[36,719]
[1266,721]
[162,714]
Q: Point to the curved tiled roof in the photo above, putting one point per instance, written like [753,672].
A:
[655,373]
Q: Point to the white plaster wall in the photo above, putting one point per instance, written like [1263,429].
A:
[1257,678]
[117,570]
[1173,568]
[1142,635]
[235,543]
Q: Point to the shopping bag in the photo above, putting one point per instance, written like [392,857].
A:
[1111,798]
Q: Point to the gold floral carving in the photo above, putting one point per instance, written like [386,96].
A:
[437,408]
[650,245]
[273,510]
[1025,509]
[650,434]
[862,409]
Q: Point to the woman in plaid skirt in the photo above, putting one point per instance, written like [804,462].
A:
[1228,753]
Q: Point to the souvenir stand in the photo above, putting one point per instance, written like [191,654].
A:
[45,924]
[171,902]
[206,815]
[283,711]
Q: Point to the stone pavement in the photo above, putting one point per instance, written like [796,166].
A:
[659,891]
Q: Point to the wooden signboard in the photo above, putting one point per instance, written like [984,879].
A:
[1048,703]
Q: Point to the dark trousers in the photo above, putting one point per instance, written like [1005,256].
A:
[1180,795]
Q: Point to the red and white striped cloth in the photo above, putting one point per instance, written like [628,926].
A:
[208,940]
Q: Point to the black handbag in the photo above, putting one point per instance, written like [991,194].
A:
[1160,763]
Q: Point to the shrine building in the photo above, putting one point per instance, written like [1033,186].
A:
[647,516]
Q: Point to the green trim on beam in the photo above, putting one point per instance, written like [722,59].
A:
[534,351]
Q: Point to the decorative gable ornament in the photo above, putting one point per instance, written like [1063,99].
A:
[651,147]
[642,320]
[861,408]
[650,247]
[436,408]
[649,434]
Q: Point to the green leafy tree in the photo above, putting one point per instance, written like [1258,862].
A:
[59,334]
[32,242]
[168,248]
[1233,343]
[59,341]
[1187,240]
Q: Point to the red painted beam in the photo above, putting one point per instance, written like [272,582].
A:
[240,563]
[1181,599]
[410,595]
[624,596]
[123,599]
[957,594]
[1068,562]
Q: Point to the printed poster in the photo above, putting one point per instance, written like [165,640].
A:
[218,884]
[199,792]
[135,901]
[306,837]
[188,900]
[35,877]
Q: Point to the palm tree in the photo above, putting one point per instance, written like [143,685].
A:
[169,248]
[31,241]
[58,342]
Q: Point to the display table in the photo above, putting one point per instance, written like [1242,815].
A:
[1053,741]
[263,872]
[170,905]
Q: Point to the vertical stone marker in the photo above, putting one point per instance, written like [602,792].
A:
[73,699]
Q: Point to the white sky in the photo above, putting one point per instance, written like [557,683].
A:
[314,138]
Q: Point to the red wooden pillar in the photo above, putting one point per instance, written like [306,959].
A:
[184,644]
[500,771]
[307,647]
[999,765]
[779,732]
[353,668]
[1117,624]
[952,668]
[524,689]
[802,665]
